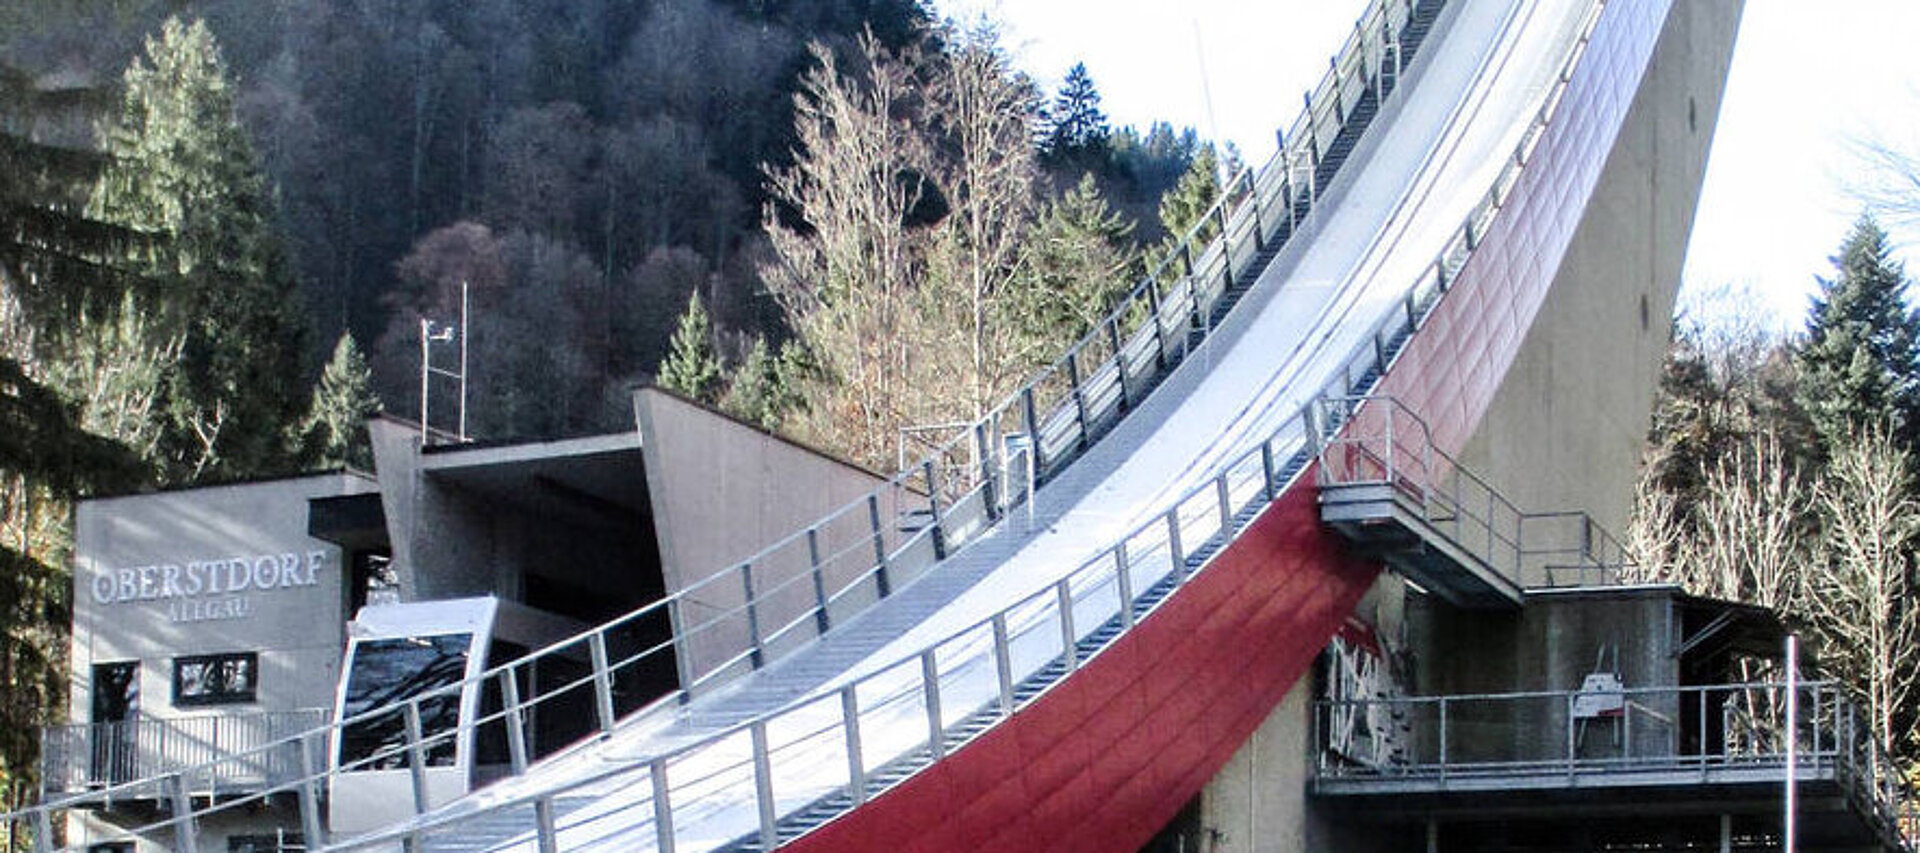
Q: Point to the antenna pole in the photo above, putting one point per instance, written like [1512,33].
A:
[464,329]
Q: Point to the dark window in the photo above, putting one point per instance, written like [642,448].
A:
[215,679]
[280,842]
[111,847]
[384,673]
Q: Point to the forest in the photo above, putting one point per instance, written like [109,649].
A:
[227,225]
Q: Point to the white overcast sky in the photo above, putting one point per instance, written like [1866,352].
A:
[1809,78]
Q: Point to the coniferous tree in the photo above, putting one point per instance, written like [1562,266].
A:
[334,432]
[762,390]
[1184,206]
[184,171]
[1860,361]
[1078,259]
[55,264]
[691,367]
[1074,133]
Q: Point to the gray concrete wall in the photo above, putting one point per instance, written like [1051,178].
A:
[1551,645]
[722,491]
[155,578]
[1567,428]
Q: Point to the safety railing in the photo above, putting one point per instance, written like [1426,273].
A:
[1382,442]
[1657,736]
[90,756]
[692,781]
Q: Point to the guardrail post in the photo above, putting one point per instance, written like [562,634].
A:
[416,755]
[1119,358]
[1069,637]
[1079,398]
[603,680]
[184,838]
[1226,508]
[856,764]
[1033,430]
[1226,244]
[1571,749]
[879,545]
[1159,331]
[309,797]
[42,830]
[933,512]
[545,835]
[662,806]
[1003,663]
[515,719]
[990,492]
[1123,581]
[821,619]
[930,690]
[1267,486]
[763,786]
[1443,738]
[682,658]
[1174,550]
[756,654]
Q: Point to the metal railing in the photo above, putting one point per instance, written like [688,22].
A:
[1387,444]
[673,797]
[1657,736]
[233,751]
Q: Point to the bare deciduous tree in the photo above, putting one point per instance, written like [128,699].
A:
[1861,605]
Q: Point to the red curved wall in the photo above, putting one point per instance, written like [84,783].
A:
[1105,759]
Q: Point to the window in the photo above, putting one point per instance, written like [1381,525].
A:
[215,679]
[384,673]
[111,847]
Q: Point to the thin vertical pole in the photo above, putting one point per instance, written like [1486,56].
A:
[879,546]
[416,756]
[1003,662]
[182,814]
[820,618]
[763,786]
[1793,714]
[856,764]
[602,680]
[464,328]
[1069,637]
[662,806]
[930,687]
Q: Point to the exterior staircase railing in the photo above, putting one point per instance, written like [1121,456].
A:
[1017,653]
[1541,739]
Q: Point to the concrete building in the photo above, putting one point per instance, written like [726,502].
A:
[214,622]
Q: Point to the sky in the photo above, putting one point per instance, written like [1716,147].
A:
[1810,82]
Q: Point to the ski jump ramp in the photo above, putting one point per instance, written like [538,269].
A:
[1116,576]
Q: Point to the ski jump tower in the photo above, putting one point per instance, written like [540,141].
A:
[1093,620]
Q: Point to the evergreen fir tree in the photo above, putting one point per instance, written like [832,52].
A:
[691,367]
[1076,262]
[763,391]
[1074,135]
[55,262]
[334,432]
[1862,348]
[1189,201]
[184,171]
